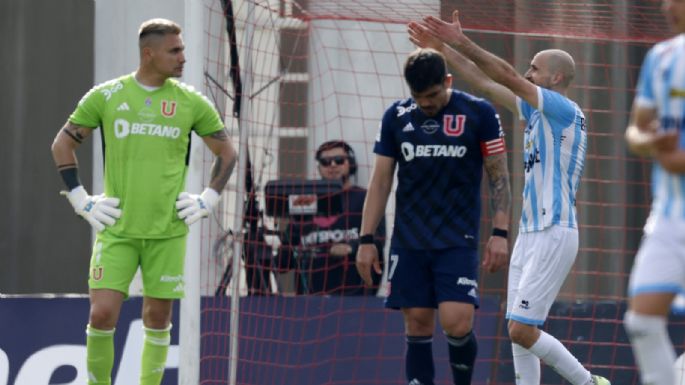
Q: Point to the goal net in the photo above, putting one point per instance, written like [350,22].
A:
[306,72]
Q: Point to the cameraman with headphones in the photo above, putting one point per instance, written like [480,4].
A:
[322,249]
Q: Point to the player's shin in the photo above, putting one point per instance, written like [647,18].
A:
[554,353]
[155,349]
[462,353]
[100,355]
[526,366]
[652,347]
[419,360]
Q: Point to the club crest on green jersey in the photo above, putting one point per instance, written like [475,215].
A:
[168,108]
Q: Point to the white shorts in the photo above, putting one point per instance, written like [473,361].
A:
[539,265]
[660,263]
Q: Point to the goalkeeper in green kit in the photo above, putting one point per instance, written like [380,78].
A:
[143,216]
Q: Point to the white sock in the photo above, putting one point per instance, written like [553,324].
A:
[526,366]
[652,347]
[554,354]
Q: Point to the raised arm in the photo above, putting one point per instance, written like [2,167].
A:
[465,69]
[494,67]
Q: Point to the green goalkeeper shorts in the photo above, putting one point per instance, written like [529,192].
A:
[115,261]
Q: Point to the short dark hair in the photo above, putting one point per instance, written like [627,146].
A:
[331,144]
[157,27]
[424,68]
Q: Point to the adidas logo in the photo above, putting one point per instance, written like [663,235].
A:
[178,288]
[472,293]
[408,128]
[123,107]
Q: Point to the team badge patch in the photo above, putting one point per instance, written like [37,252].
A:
[168,108]
[96,273]
[453,125]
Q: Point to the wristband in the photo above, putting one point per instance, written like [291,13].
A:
[366,239]
[70,177]
[500,232]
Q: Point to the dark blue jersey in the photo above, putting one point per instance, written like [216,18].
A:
[309,239]
[440,163]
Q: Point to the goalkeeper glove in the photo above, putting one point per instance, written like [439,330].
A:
[191,207]
[99,210]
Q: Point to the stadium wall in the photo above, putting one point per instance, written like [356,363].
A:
[46,66]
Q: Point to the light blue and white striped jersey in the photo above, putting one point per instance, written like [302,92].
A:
[662,86]
[555,140]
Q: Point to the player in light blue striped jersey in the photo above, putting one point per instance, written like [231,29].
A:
[657,121]
[555,141]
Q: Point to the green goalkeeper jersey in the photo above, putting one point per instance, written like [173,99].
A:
[146,146]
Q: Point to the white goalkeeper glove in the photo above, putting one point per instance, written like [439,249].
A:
[191,207]
[100,211]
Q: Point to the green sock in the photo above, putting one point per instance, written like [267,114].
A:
[100,355]
[155,350]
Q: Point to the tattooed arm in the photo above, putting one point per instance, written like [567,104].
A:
[192,207]
[63,152]
[500,191]
[497,249]
[99,211]
[226,157]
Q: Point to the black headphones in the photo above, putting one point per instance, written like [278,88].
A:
[339,144]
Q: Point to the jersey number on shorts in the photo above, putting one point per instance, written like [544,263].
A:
[394,258]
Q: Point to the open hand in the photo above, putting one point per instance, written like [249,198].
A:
[98,210]
[450,33]
[422,37]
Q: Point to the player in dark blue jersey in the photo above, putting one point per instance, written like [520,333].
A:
[439,139]
[554,149]
[321,250]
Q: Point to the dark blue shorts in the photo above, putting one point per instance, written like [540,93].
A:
[425,278]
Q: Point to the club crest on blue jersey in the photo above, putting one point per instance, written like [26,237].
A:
[453,125]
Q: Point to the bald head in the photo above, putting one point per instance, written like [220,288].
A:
[559,62]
